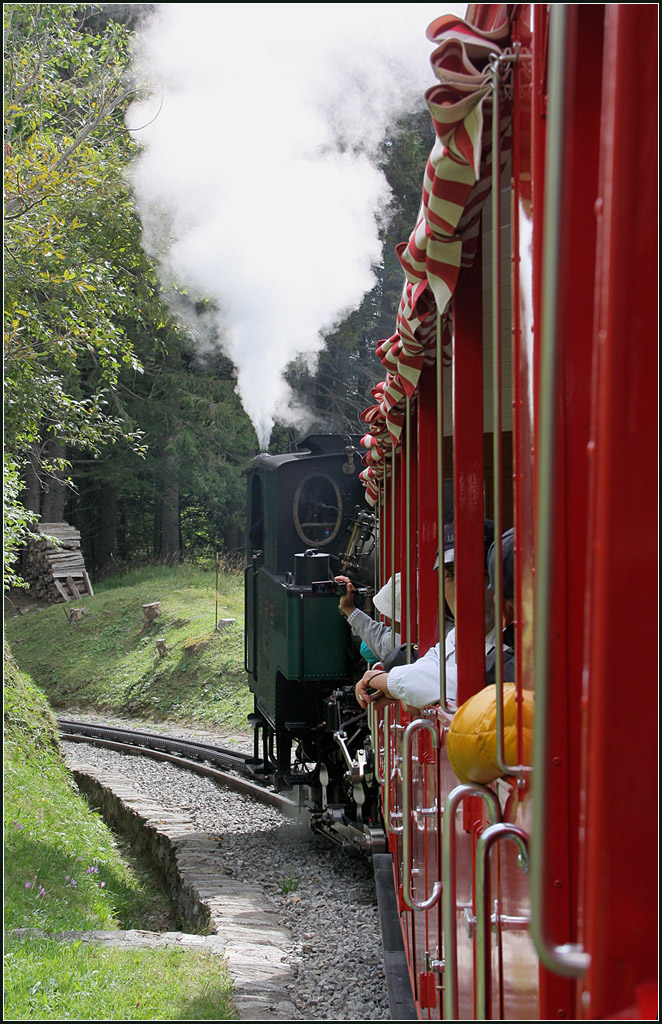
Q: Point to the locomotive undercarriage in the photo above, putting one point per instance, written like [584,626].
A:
[331,767]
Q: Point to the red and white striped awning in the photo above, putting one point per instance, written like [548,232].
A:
[456,184]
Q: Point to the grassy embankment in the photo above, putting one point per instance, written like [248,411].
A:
[106,662]
[63,871]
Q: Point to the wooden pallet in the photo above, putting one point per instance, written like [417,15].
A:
[77,587]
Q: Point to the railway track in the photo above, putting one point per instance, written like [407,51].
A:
[231,768]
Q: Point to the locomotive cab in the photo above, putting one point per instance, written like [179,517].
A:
[308,523]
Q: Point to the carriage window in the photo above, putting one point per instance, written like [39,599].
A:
[317,510]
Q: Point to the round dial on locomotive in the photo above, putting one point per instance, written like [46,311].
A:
[317,510]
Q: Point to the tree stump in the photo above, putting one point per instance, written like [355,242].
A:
[75,614]
[151,612]
[162,647]
[224,623]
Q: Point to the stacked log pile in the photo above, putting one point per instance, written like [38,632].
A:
[56,571]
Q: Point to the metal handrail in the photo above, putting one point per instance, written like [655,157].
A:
[569,959]
[407,853]
[454,799]
[389,773]
[373,724]
[486,841]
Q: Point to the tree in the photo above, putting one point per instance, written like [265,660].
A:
[188,491]
[65,145]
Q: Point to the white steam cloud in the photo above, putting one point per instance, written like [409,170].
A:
[256,183]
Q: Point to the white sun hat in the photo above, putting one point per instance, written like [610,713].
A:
[383,599]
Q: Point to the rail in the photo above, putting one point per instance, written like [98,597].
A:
[443,699]
[198,759]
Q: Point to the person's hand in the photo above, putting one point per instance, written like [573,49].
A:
[373,679]
[346,604]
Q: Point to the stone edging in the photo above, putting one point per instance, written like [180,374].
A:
[251,937]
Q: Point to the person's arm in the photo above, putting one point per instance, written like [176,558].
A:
[418,684]
[373,679]
[377,635]
[346,603]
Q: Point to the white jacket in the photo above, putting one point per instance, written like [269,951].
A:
[419,684]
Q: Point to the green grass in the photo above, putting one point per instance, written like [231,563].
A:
[107,662]
[63,869]
[64,872]
[50,980]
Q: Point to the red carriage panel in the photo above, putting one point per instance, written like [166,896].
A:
[554,336]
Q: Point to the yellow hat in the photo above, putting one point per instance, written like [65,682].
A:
[471,739]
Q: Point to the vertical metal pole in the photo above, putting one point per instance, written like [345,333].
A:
[570,959]
[440,520]
[393,547]
[418,725]
[497,418]
[496,402]
[390,772]
[495,833]
[407,587]
[216,621]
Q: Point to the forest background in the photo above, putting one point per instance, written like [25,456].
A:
[114,422]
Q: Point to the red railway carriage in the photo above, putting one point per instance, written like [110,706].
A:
[524,368]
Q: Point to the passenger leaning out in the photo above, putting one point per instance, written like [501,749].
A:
[418,685]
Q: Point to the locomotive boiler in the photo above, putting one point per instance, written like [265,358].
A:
[308,522]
